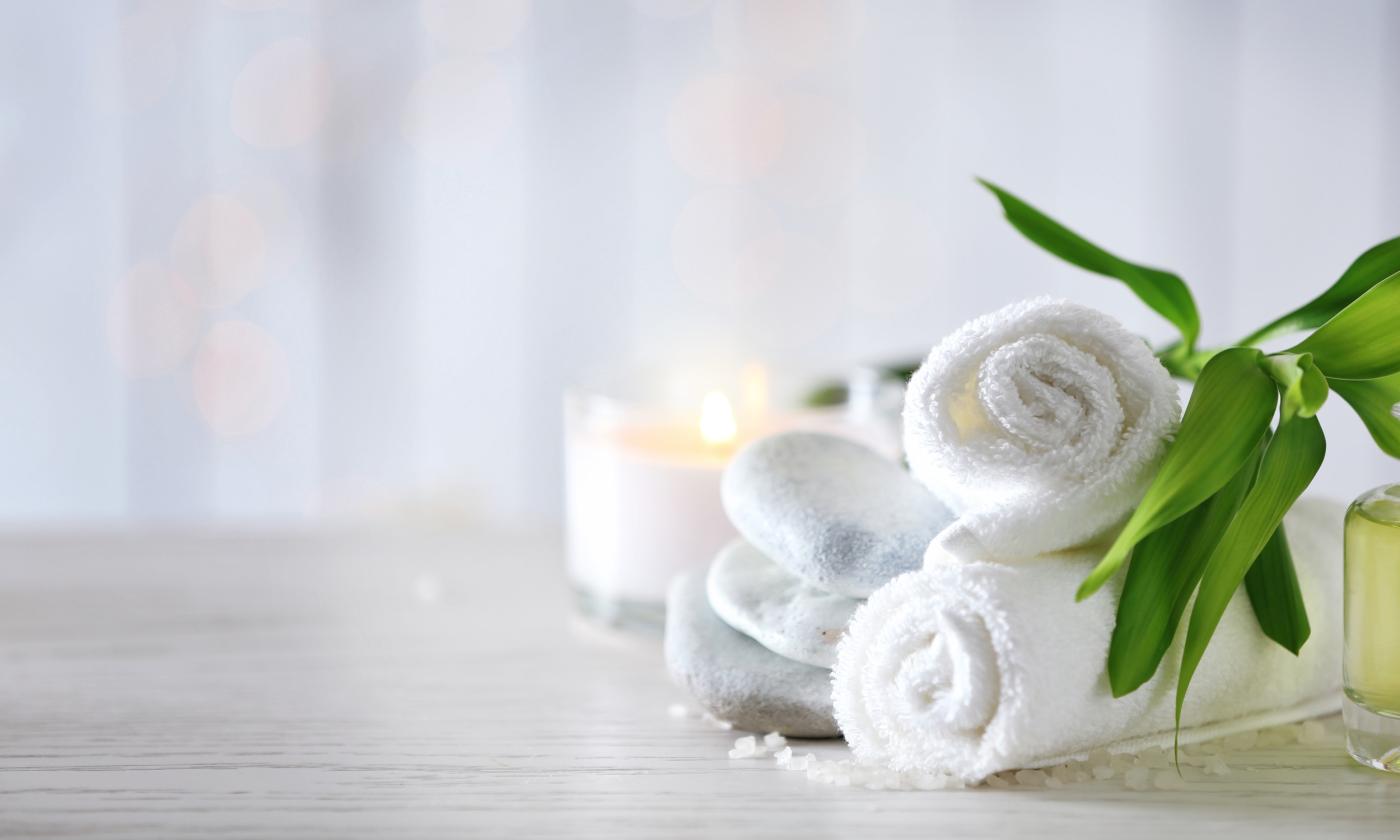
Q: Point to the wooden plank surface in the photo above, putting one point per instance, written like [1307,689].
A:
[434,684]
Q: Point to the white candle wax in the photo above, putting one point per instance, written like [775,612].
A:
[643,506]
[642,491]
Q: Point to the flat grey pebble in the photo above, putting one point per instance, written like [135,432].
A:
[831,511]
[735,678]
[776,608]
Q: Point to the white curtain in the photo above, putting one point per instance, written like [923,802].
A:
[293,259]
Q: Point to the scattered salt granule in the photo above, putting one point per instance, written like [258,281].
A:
[1102,771]
[1137,778]
[783,757]
[774,740]
[677,710]
[1053,782]
[1311,733]
[997,780]
[1153,758]
[1216,766]
[745,747]
[1031,778]
[1168,780]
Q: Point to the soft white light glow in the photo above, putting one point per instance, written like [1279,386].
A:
[717,419]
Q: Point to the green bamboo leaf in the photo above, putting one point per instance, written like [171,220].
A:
[1163,572]
[1272,584]
[1288,466]
[1165,292]
[1369,269]
[1377,402]
[1228,414]
[1303,385]
[1363,340]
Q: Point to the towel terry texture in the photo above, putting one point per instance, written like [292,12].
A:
[973,668]
[1041,425]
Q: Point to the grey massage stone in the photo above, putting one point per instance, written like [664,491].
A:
[831,511]
[776,608]
[737,679]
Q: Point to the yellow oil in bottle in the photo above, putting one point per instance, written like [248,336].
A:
[1371,664]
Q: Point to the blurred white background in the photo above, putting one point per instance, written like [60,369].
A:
[275,260]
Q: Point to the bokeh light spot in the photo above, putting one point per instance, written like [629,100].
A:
[153,320]
[241,379]
[220,249]
[726,128]
[713,231]
[281,96]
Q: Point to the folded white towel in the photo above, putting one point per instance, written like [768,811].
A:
[975,668]
[1040,424]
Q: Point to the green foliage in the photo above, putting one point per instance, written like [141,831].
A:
[1166,293]
[1303,385]
[1272,584]
[1363,340]
[1227,416]
[1211,519]
[1377,402]
[1288,466]
[1369,269]
[1161,579]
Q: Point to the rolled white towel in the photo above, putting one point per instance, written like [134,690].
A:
[975,668]
[1040,424]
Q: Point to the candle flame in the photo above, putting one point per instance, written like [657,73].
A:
[717,419]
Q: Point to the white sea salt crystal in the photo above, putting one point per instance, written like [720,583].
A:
[997,780]
[1121,762]
[744,747]
[1061,773]
[677,710]
[783,757]
[1312,733]
[1137,778]
[1031,778]
[774,740]
[1053,782]
[1103,771]
[1216,766]
[1153,758]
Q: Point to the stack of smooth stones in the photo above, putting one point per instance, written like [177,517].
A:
[824,522]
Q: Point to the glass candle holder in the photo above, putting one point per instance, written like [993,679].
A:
[642,479]
[1371,664]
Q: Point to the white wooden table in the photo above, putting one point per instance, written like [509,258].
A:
[434,684]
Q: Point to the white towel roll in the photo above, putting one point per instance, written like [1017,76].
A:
[1041,424]
[975,668]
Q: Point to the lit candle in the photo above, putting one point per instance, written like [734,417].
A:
[642,489]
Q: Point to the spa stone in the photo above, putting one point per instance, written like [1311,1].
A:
[831,511]
[776,608]
[735,678]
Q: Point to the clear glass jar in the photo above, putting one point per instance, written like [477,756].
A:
[1371,664]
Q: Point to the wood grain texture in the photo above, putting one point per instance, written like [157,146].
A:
[433,684]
